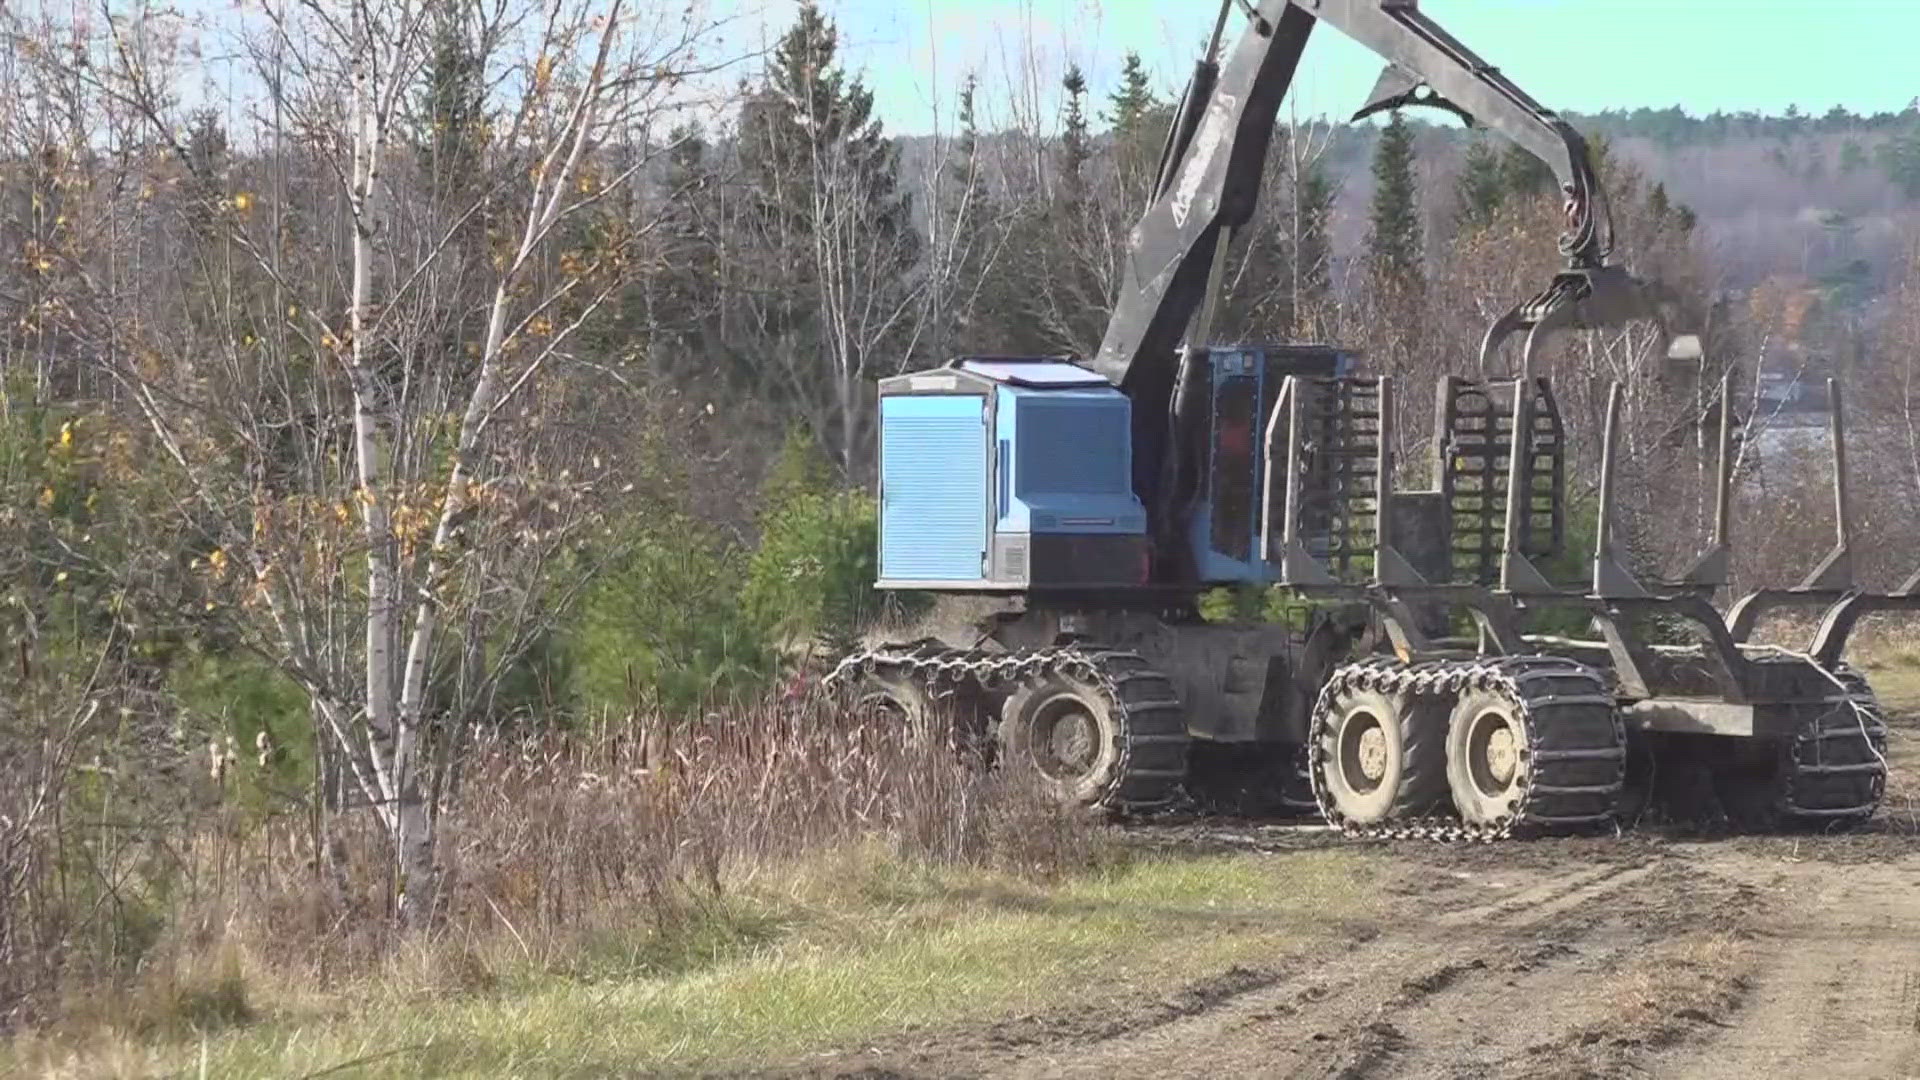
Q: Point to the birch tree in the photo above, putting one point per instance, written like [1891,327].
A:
[392,402]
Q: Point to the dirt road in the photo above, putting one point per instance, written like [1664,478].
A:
[1737,957]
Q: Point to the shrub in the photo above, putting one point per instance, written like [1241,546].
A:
[662,630]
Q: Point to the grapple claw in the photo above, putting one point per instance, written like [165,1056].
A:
[1585,298]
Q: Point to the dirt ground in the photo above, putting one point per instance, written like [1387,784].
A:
[1661,955]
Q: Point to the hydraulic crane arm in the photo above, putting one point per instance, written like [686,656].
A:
[1211,166]
[1209,179]
[1428,66]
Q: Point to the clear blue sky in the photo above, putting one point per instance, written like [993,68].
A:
[1576,55]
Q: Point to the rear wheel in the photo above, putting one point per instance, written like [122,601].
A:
[1540,747]
[1487,757]
[1376,758]
[893,698]
[1830,775]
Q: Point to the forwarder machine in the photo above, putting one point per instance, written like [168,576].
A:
[1069,517]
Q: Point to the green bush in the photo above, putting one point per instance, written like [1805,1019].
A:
[240,695]
[663,627]
[811,579]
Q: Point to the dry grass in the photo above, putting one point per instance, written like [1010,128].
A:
[851,945]
[1679,985]
[634,897]
[623,852]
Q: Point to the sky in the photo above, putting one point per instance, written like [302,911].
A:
[1572,55]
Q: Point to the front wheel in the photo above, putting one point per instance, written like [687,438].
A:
[1109,734]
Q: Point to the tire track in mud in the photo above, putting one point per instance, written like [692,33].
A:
[1435,995]
[1838,991]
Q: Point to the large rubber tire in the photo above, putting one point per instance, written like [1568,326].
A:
[1828,778]
[948,715]
[890,697]
[1116,740]
[1555,763]
[1841,762]
[1379,758]
[1487,759]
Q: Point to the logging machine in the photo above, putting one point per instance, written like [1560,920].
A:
[1070,515]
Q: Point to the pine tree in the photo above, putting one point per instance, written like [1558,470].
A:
[1522,175]
[1659,205]
[1480,189]
[1393,242]
[453,102]
[1140,123]
[833,242]
[966,149]
[1312,255]
[1076,145]
[961,253]
[1134,101]
[808,111]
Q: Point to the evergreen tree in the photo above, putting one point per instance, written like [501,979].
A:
[1134,101]
[832,239]
[1393,242]
[1140,123]
[1480,188]
[1900,158]
[966,210]
[807,113]
[1076,145]
[966,150]
[1523,175]
[1312,255]
[453,103]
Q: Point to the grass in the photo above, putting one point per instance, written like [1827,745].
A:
[854,946]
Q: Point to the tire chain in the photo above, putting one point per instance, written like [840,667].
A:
[1865,710]
[945,670]
[1507,675]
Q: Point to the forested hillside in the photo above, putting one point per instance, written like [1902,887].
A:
[457,386]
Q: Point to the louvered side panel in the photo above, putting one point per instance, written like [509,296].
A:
[933,483]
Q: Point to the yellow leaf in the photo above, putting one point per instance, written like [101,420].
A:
[60,577]
[66,433]
[46,498]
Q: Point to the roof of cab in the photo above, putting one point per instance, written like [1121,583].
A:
[1039,373]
